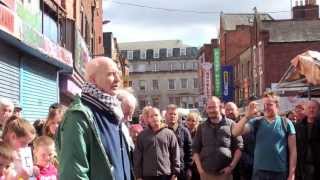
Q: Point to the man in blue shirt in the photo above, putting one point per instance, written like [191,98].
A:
[275,141]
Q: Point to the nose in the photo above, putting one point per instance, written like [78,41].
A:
[117,76]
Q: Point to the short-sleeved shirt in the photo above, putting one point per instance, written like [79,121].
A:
[271,149]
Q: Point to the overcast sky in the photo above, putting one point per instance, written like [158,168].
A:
[131,23]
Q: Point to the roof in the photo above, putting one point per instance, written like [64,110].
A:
[292,30]
[152,44]
[230,21]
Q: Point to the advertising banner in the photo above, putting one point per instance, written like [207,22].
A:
[82,55]
[227,83]
[217,72]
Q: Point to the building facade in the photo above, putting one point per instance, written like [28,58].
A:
[260,64]
[44,46]
[162,73]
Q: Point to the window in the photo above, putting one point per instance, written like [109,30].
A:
[136,54]
[156,67]
[176,52]
[123,53]
[50,26]
[171,66]
[172,84]
[248,69]
[195,66]
[169,52]
[130,83]
[171,100]
[155,84]
[177,99]
[156,54]
[242,71]
[163,53]
[142,54]
[195,83]
[183,52]
[142,85]
[184,83]
[130,55]
[142,103]
[156,102]
[149,53]
[183,65]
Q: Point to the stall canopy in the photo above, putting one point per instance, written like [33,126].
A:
[304,71]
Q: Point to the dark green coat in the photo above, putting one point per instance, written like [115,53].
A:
[80,151]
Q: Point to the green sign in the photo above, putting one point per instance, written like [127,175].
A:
[30,16]
[217,72]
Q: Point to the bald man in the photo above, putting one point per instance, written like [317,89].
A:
[232,111]
[215,151]
[90,142]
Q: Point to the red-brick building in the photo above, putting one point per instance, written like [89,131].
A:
[260,51]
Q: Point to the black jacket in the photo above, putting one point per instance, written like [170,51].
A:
[185,145]
[303,142]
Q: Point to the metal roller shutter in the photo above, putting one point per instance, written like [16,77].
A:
[39,88]
[9,73]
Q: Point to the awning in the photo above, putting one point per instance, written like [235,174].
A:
[303,71]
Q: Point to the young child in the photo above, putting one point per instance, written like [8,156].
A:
[18,134]
[44,152]
[6,159]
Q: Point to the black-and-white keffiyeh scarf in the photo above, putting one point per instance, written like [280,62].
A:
[102,100]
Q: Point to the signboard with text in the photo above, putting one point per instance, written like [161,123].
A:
[217,72]
[207,80]
[227,83]
[82,55]
[7,19]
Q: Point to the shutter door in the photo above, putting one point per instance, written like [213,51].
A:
[9,73]
[39,88]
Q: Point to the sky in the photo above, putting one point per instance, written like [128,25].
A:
[194,27]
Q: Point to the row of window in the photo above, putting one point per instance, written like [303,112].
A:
[170,66]
[172,84]
[159,53]
[180,101]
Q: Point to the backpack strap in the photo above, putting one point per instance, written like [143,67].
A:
[256,125]
[284,123]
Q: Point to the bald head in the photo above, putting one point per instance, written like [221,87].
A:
[232,111]
[312,109]
[104,73]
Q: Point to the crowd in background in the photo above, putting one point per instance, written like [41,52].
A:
[95,138]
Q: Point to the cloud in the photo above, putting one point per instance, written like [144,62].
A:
[129,23]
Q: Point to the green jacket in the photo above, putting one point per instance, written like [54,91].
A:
[81,154]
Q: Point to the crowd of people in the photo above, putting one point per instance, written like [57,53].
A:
[94,138]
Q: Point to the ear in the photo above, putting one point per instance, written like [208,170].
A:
[92,79]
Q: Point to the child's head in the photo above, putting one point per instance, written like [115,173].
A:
[7,156]
[18,133]
[43,150]
[54,118]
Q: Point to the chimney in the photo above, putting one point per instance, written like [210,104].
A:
[309,11]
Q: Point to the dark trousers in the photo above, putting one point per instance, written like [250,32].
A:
[269,175]
[164,177]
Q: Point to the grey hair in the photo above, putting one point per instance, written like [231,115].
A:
[6,102]
[127,95]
